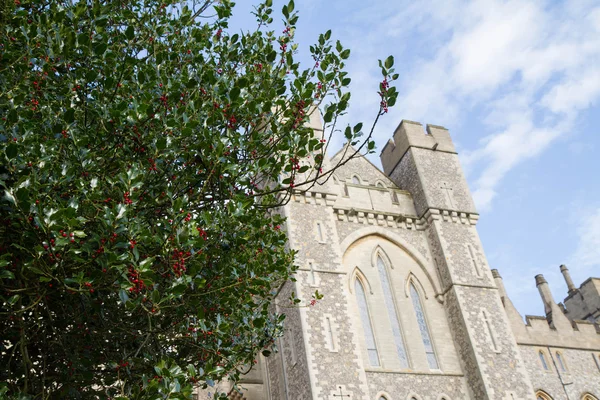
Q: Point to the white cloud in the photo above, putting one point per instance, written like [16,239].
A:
[531,65]
[586,257]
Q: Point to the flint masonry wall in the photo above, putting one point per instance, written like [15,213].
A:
[421,216]
[560,355]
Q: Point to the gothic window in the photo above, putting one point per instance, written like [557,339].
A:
[365,318]
[596,361]
[394,197]
[541,395]
[355,180]
[346,190]
[561,362]
[418,306]
[392,312]
[588,396]
[543,360]
[380,185]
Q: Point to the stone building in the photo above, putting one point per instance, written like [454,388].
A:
[412,310]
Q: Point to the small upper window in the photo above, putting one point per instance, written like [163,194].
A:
[380,185]
[561,362]
[346,190]
[355,180]
[394,197]
[543,360]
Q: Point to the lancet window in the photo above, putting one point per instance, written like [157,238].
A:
[392,312]
[423,328]
[365,318]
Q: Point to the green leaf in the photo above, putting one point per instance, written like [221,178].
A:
[129,32]
[234,94]
[6,274]
[100,49]
[123,296]
[161,143]
[69,116]
[357,127]
[11,150]
[12,300]
[389,62]
[345,54]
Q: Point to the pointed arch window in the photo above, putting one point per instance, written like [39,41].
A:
[394,197]
[365,318]
[541,395]
[561,362]
[543,360]
[392,312]
[423,328]
[355,180]
[588,396]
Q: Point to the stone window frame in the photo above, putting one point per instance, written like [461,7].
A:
[540,394]
[383,394]
[443,396]
[491,331]
[333,344]
[313,271]
[546,367]
[394,196]
[357,178]
[596,360]
[379,184]
[422,293]
[560,360]
[588,396]
[473,254]
[320,232]
[378,252]
[413,396]
[358,275]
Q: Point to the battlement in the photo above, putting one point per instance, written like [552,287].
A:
[411,134]
[553,329]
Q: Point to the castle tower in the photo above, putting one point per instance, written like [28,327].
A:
[427,165]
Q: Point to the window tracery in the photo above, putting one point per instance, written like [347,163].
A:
[392,312]
[423,328]
[365,318]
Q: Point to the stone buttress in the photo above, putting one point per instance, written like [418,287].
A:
[427,165]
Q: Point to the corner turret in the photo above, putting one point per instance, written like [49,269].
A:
[427,165]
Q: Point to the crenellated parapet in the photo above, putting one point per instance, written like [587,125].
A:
[411,134]
[554,329]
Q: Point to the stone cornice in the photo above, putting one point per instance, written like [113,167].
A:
[381,218]
[396,220]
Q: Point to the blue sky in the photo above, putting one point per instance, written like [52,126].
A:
[517,83]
